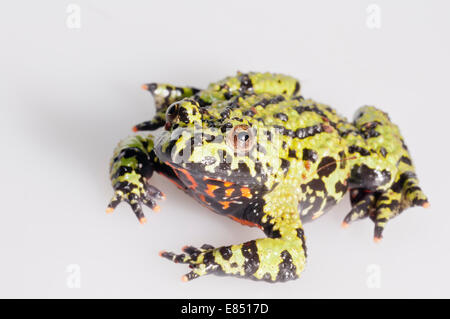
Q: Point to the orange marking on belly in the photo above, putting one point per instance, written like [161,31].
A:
[229,191]
[226,184]
[244,222]
[225,204]
[186,174]
[210,189]
[245,191]
[202,198]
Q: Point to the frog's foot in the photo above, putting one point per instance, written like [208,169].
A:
[201,260]
[404,193]
[151,125]
[135,196]
[385,205]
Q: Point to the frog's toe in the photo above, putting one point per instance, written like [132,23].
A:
[114,202]
[190,255]
[137,209]
[200,260]
[415,196]
[151,203]
[149,125]
[180,258]
[189,276]
[362,204]
[154,193]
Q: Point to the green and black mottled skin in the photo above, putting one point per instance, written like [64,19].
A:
[250,147]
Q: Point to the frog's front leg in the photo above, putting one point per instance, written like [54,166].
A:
[131,168]
[280,257]
[383,181]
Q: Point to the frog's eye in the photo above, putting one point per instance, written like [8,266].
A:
[241,138]
[172,113]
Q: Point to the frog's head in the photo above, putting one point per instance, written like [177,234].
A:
[220,144]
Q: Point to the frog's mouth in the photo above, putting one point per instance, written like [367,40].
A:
[165,146]
[172,149]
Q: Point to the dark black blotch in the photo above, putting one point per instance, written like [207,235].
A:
[340,187]
[297,88]
[405,160]
[309,155]
[287,269]
[250,253]
[357,149]
[281,116]
[326,166]
[246,83]
[292,153]
[285,165]
[226,252]
[364,176]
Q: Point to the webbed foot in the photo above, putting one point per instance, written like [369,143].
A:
[385,205]
[136,197]
[404,193]
[201,260]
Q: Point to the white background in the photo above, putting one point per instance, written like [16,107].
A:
[67,96]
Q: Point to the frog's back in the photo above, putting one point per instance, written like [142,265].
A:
[308,142]
[281,110]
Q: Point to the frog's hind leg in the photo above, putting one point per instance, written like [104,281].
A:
[164,95]
[280,257]
[383,181]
